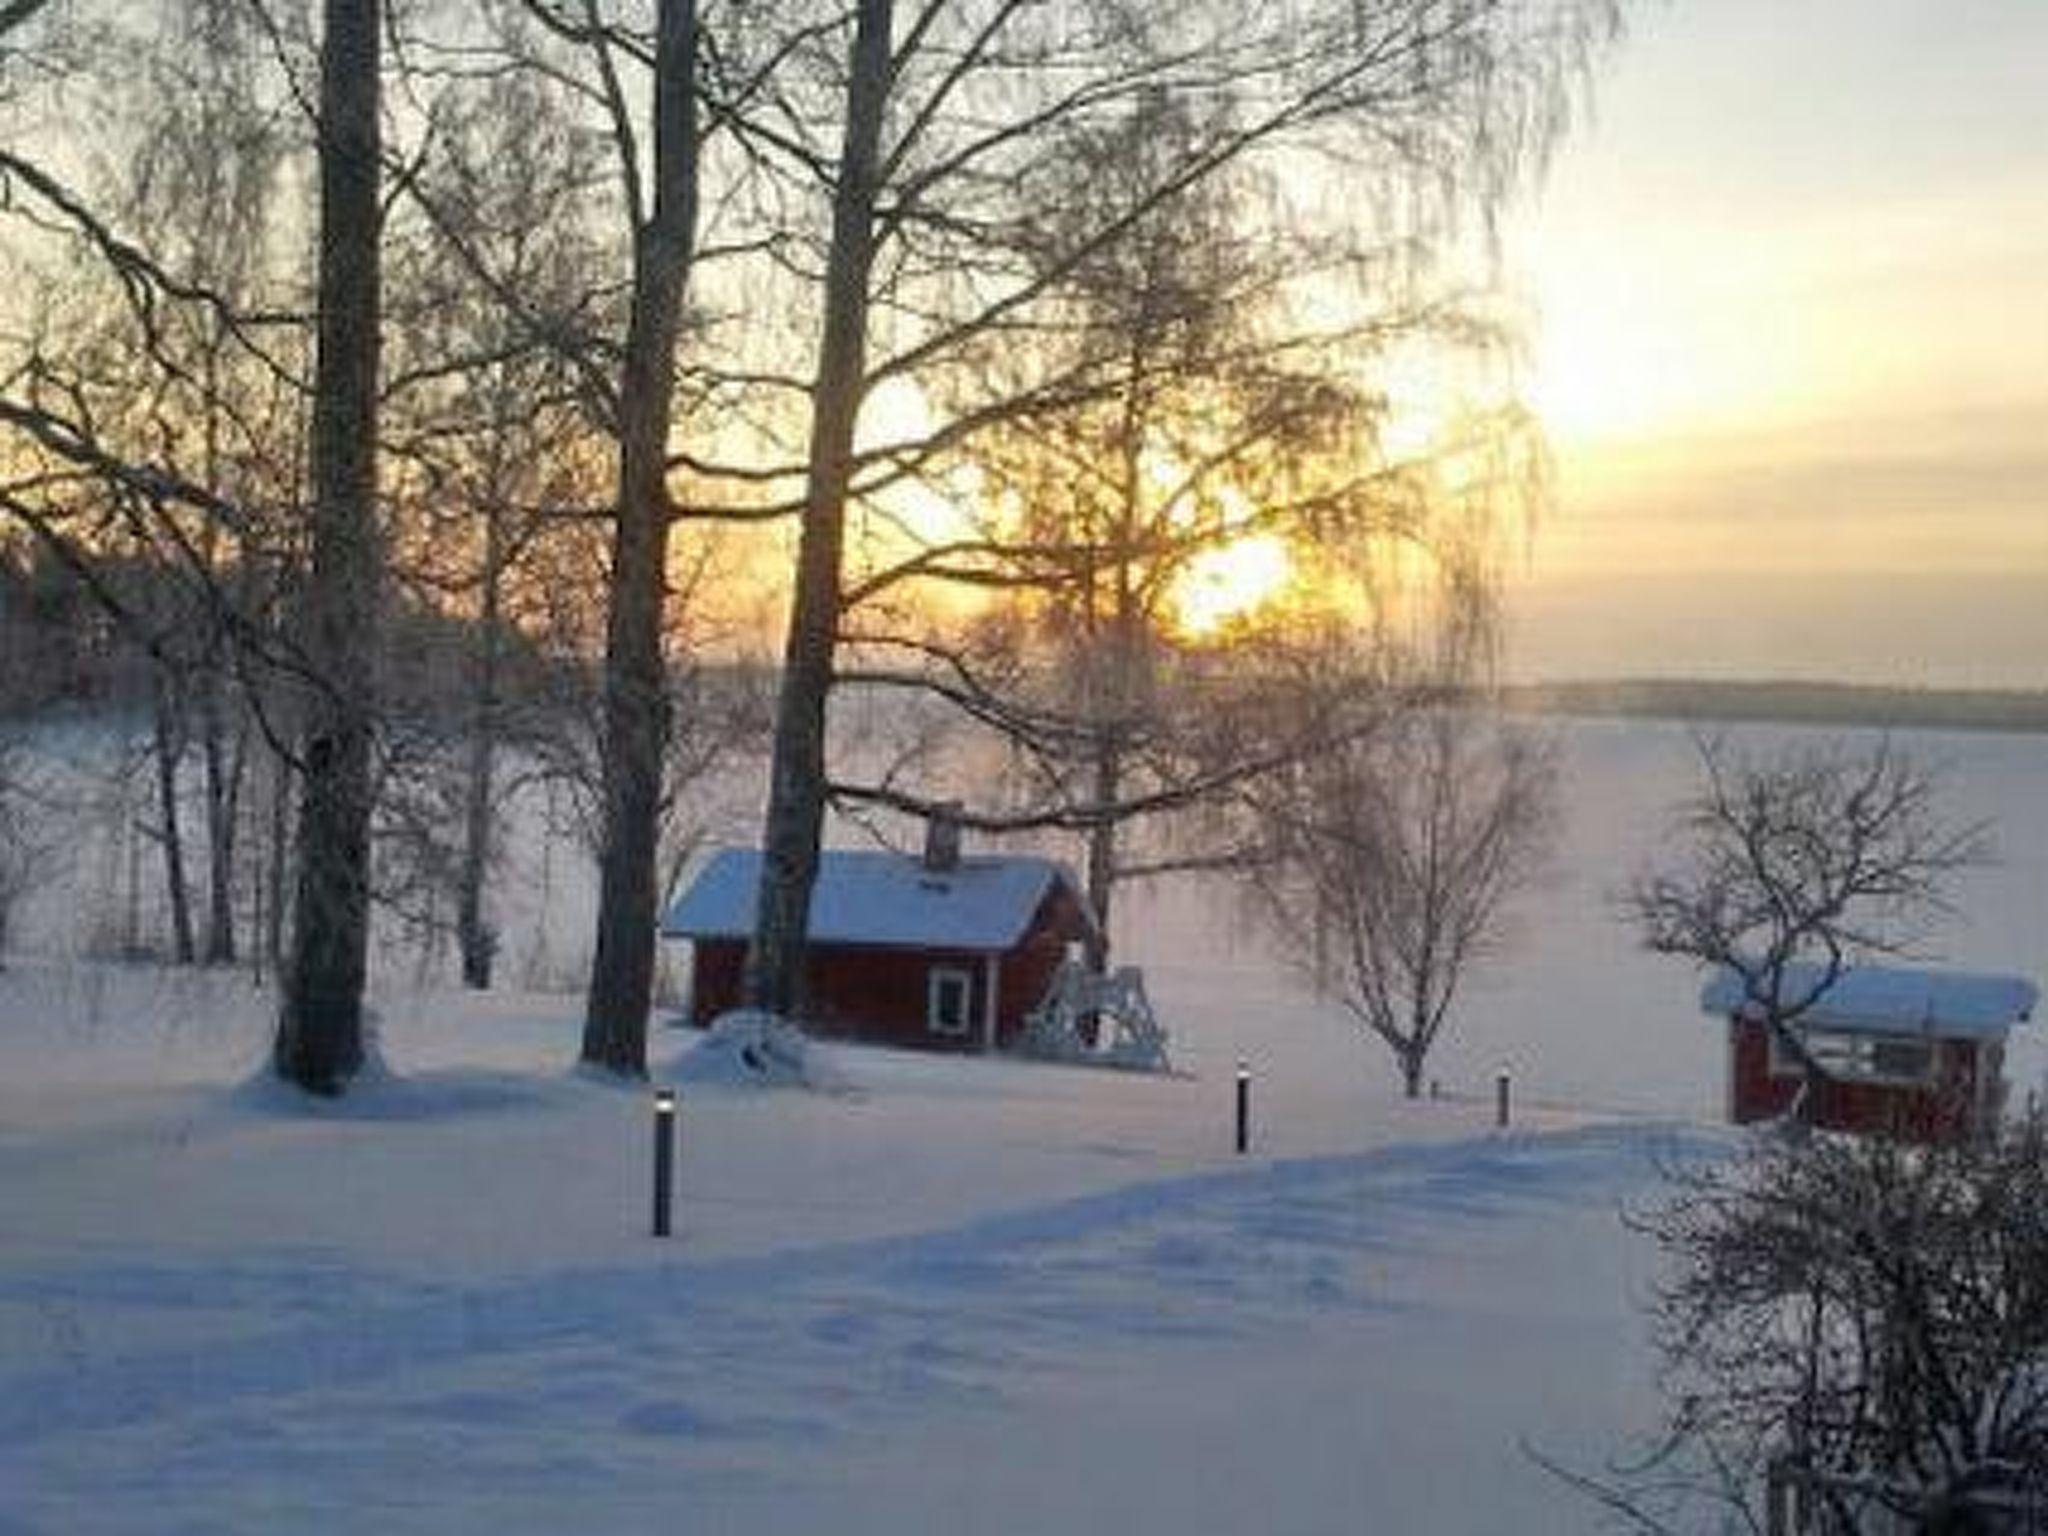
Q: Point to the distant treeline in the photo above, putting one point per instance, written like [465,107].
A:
[1801,703]
[100,632]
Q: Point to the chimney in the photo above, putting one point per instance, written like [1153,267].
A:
[942,838]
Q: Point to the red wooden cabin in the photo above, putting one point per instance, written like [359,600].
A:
[1916,1054]
[944,952]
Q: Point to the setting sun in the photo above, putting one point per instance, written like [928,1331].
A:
[1222,585]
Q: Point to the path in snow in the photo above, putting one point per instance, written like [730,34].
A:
[1319,1345]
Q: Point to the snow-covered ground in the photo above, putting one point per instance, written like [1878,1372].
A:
[947,1295]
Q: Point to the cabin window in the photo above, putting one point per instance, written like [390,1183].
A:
[949,1000]
[1864,1058]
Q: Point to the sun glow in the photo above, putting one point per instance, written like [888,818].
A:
[897,414]
[1221,586]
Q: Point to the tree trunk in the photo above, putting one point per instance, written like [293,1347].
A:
[320,1027]
[1101,871]
[225,765]
[278,861]
[1411,1074]
[1101,881]
[131,852]
[1117,693]
[635,728]
[473,932]
[796,795]
[223,769]
[167,748]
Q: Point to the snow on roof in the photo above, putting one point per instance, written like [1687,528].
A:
[886,900]
[1893,999]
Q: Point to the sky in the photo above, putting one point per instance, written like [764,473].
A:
[1791,273]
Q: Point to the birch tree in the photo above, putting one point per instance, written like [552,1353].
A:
[638,87]
[796,804]
[320,1025]
[636,698]
[1394,858]
[949,135]
[25,848]
[502,446]
[211,164]
[150,386]
[1210,421]
[171,354]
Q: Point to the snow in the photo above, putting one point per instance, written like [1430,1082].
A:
[755,1050]
[1885,999]
[868,896]
[948,1294]
[914,1305]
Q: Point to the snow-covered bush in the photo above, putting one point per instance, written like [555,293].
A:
[1866,1319]
[752,1049]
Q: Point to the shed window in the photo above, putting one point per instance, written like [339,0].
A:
[949,1000]
[1904,1059]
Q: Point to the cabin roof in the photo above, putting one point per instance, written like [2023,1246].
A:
[877,899]
[1877,999]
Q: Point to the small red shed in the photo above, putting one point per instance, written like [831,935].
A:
[944,952]
[1917,1054]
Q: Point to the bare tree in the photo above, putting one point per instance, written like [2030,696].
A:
[641,88]
[145,358]
[25,847]
[636,700]
[950,145]
[1796,864]
[501,443]
[1854,1330]
[71,481]
[1394,857]
[796,805]
[320,1026]
[212,163]
[1198,419]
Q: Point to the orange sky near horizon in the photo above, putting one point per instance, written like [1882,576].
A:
[1789,329]
[1790,274]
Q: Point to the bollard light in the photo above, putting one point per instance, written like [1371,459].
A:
[1244,1105]
[664,1159]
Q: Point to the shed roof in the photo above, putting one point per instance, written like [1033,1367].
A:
[883,900]
[1876,999]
